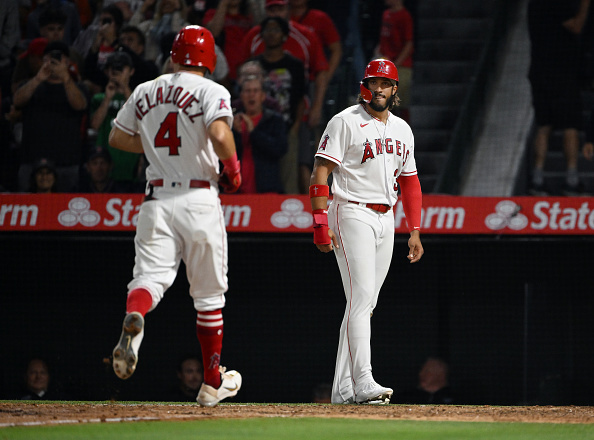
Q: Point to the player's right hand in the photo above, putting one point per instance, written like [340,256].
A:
[333,244]
[230,180]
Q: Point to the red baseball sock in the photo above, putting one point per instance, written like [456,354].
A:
[139,300]
[209,329]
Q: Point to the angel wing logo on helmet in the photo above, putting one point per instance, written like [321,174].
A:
[381,68]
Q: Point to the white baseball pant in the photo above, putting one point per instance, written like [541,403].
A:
[366,240]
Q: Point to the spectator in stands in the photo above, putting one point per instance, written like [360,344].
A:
[433,386]
[43,177]
[190,375]
[126,167]
[168,17]
[132,39]
[397,45]
[554,29]
[85,12]
[284,75]
[229,23]
[284,82]
[128,7]
[9,37]
[251,69]
[37,383]
[304,45]
[97,176]
[319,22]
[105,42]
[261,140]
[53,106]
[72,26]
[28,63]
[316,70]
[51,26]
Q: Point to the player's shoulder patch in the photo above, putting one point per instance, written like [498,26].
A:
[224,104]
[324,143]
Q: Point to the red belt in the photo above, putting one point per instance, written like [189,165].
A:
[375,206]
[193,183]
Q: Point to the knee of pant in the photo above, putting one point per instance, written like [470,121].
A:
[211,302]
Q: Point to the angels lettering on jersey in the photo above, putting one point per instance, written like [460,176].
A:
[369,152]
[388,146]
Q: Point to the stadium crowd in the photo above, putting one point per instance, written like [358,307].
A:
[68,66]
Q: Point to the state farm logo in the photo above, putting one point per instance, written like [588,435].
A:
[291,214]
[78,212]
[507,215]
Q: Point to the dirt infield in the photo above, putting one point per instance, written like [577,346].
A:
[30,413]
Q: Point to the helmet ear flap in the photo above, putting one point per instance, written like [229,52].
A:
[365,93]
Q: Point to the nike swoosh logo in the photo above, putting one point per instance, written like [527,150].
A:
[128,343]
[231,389]
[363,125]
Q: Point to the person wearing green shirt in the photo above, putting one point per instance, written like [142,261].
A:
[128,168]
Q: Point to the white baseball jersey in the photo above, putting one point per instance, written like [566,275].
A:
[171,114]
[370,155]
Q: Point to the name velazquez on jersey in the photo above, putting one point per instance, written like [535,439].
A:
[185,101]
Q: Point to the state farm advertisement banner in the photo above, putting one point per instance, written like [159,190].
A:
[292,213]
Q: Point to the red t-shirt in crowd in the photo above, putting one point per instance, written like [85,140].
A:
[236,27]
[301,43]
[248,167]
[397,29]
[320,23]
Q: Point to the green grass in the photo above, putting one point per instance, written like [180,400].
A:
[303,428]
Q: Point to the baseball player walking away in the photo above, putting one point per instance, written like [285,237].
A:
[181,121]
[370,152]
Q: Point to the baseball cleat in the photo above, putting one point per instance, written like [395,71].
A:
[374,394]
[230,385]
[125,354]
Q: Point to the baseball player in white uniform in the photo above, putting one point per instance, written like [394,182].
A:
[370,152]
[181,121]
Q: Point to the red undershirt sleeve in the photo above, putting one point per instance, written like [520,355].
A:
[412,200]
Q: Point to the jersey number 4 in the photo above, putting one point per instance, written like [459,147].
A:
[167,135]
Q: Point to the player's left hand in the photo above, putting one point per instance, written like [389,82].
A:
[329,247]
[415,248]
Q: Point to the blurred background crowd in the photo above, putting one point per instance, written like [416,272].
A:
[67,66]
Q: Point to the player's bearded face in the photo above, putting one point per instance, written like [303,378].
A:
[376,104]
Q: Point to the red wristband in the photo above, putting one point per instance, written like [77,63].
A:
[321,235]
[320,217]
[320,225]
[319,191]
[232,164]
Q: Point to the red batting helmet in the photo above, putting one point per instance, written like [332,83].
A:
[379,68]
[194,46]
